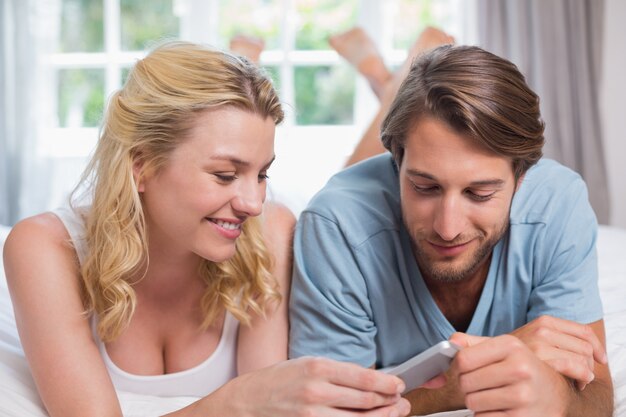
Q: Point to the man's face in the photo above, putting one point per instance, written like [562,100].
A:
[456,197]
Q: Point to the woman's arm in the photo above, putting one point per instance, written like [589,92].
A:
[305,386]
[71,377]
[43,278]
[264,342]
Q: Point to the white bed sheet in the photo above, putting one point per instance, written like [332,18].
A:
[18,394]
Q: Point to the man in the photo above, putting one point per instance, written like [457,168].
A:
[461,229]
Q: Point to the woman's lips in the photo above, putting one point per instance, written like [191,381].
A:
[229,230]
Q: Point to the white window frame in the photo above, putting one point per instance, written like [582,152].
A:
[319,150]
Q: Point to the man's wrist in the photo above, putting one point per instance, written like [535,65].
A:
[446,398]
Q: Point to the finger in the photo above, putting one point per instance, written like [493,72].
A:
[496,399]
[344,397]
[466,340]
[399,409]
[581,331]
[515,368]
[572,366]
[354,376]
[491,414]
[564,341]
[559,345]
[486,352]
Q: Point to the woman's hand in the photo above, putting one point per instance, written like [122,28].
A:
[314,387]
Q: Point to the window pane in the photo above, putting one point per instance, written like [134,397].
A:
[124,74]
[318,19]
[82,28]
[410,17]
[81,97]
[260,18]
[144,22]
[324,95]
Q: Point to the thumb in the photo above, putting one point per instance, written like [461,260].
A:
[466,340]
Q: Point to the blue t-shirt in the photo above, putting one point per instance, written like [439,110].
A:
[357,292]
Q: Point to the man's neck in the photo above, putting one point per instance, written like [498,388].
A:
[458,300]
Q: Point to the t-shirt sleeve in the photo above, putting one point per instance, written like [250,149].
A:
[330,314]
[567,283]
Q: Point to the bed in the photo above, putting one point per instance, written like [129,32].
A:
[18,395]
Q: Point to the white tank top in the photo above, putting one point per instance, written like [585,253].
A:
[198,381]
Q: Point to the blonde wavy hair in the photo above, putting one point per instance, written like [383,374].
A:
[146,120]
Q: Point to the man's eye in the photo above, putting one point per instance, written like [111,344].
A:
[479,197]
[429,189]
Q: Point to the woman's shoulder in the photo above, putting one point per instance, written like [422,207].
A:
[41,239]
[44,228]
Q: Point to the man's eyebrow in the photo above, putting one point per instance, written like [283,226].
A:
[416,173]
[491,182]
[237,161]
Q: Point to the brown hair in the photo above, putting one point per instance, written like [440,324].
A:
[476,93]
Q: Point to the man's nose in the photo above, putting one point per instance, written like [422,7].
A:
[449,218]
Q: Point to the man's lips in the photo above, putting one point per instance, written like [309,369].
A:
[449,250]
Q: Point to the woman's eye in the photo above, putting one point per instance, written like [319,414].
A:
[263,177]
[225,177]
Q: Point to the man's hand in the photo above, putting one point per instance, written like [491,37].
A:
[568,347]
[503,376]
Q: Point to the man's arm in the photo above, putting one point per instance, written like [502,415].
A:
[445,398]
[596,398]
[530,374]
[329,312]
[503,373]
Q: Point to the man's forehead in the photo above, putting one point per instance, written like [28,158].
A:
[432,146]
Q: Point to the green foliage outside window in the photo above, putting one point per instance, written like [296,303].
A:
[146,22]
[260,18]
[324,95]
[81,97]
[82,26]
[320,19]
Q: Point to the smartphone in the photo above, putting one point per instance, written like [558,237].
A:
[426,365]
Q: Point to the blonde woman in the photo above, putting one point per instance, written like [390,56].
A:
[170,282]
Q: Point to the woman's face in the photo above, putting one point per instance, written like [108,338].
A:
[212,183]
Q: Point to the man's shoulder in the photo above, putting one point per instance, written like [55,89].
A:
[547,189]
[362,197]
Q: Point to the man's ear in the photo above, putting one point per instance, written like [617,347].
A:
[138,174]
[519,181]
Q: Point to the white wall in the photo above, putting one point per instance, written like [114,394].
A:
[613,106]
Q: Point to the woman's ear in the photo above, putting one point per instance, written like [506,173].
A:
[138,174]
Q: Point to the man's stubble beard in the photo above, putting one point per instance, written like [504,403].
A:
[442,271]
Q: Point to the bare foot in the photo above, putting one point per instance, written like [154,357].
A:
[430,38]
[248,46]
[360,50]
